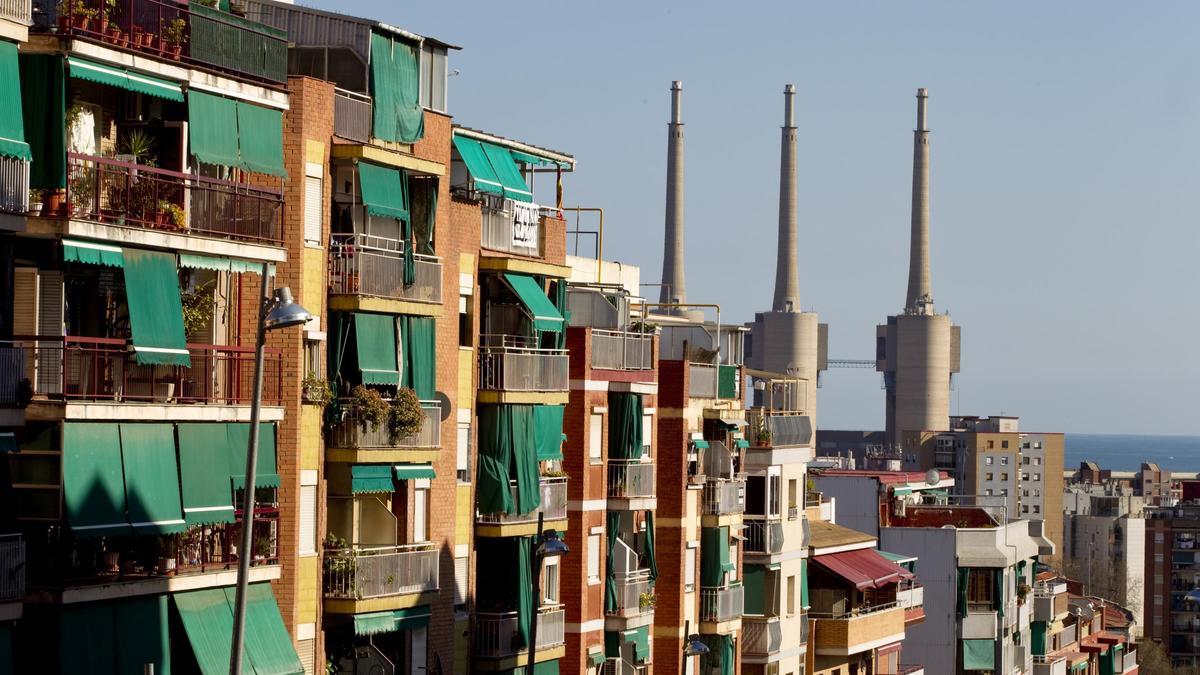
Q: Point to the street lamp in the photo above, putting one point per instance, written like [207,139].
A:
[692,646]
[277,311]
[549,544]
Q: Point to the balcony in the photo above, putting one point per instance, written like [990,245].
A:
[713,381]
[1125,662]
[12,567]
[352,114]
[19,11]
[635,597]
[352,433]
[208,38]
[497,637]
[622,350]
[102,370]
[387,571]
[499,230]
[980,625]
[135,195]
[1050,601]
[1049,665]
[910,595]
[724,496]
[763,536]
[14,173]
[630,479]
[721,604]
[617,666]
[783,428]
[511,364]
[762,636]
[910,669]
[553,506]
[365,265]
[853,632]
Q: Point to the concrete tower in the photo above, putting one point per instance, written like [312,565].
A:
[786,341]
[917,350]
[672,274]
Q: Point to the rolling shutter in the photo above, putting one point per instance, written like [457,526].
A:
[308,521]
[50,324]
[313,204]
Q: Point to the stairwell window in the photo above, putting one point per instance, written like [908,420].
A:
[980,590]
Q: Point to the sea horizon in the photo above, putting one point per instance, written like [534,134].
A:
[1126,452]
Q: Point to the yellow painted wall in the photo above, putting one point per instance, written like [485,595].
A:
[310,437]
[308,590]
[463,514]
[314,288]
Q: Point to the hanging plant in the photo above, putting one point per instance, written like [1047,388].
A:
[405,417]
[197,308]
[370,406]
[317,390]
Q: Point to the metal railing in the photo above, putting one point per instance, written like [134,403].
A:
[793,512]
[194,34]
[12,567]
[496,634]
[364,265]
[12,371]
[103,369]
[350,431]
[630,478]
[553,504]
[761,636]
[14,173]
[634,594]
[352,115]
[20,11]
[724,496]
[783,428]
[498,231]
[622,350]
[721,604]
[507,367]
[763,535]
[702,380]
[381,571]
[134,195]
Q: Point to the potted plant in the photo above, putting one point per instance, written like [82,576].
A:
[105,18]
[317,390]
[166,556]
[405,417]
[1022,592]
[173,37]
[370,407]
[262,548]
[197,308]
[82,17]
[81,191]
[647,600]
[135,35]
[171,214]
[35,201]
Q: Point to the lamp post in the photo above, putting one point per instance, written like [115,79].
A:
[692,646]
[548,544]
[275,312]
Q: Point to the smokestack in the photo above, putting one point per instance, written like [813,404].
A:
[787,276]
[672,274]
[920,289]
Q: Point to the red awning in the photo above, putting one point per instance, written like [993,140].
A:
[864,568]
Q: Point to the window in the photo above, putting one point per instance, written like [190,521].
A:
[593,559]
[647,430]
[1159,537]
[1037,445]
[987,492]
[1004,444]
[462,574]
[1037,509]
[774,483]
[1024,508]
[1004,492]
[550,580]
[991,444]
[1004,476]
[307,651]
[793,508]
[596,438]
[463,447]
[689,570]
[312,357]
[420,531]
[1004,460]
[987,476]
[308,520]
[1158,557]
[1024,476]
[1037,476]
[732,575]
[1025,446]
[1037,461]
[980,588]
[1037,492]
[466,327]
[314,203]
[988,460]
[433,77]
[791,595]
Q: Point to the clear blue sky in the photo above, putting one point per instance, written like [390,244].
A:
[1066,168]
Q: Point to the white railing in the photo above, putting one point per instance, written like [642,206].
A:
[364,265]
[14,173]
[634,596]
[630,478]
[622,350]
[12,567]
[724,496]
[496,634]
[702,380]
[910,594]
[352,432]
[523,369]
[721,604]
[762,636]
[499,231]
[381,571]
[763,535]
[615,665]
[553,504]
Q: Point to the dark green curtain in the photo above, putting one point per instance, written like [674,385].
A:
[418,334]
[560,302]
[753,585]
[999,591]
[727,657]
[525,609]
[1037,639]
[495,458]
[395,84]
[43,104]
[651,558]
[625,425]
[548,425]
[406,233]
[963,575]
[525,461]
[610,575]
[714,555]
[428,219]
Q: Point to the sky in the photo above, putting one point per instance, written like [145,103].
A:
[1065,168]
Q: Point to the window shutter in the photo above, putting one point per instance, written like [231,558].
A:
[462,570]
[50,323]
[314,203]
[308,519]
[307,649]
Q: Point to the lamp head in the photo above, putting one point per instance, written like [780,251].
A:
[282,312]
[694,646]
[552,544]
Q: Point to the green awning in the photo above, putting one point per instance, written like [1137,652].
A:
[212,129]
[714,556]
[507,172]
[374,623]
[548,431]
[413,471]
[141,627]
[640,639]
[375,339]
[545,316]
[700,443]
[595,658]
[93,482]
[268,644]
[123,78]
[238,443]
[260,139]
[204,470]
[43,110]
[8,442]
[507,452]
[612,644]
[6,652]
[535,160]
[1037,638]
[753,582]
[155,308]
[741,443]
[91,253]
[896,557]
[12,118]
[114,637]
[478,165]
[368,478]
[979,654]
[727,381]
[216,264]
[151,478]
[86,640]
[395,85]
[1082,665]
[418,336]
[625,420]
[804,584]
[208,623]
[384,192]
[207,617]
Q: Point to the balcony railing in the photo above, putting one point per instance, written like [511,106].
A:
[20,11]
[721,604]
[553,504]
[103,369]
[910,594]
[622,350]
[854,631]
[365,265]
[785,428]
[352,114]
[500,231]
[350,431]
[207,37]
[496,634]
[724,496]
[508,365]
[357,574]
[1049,665]
[702,380]
[630,478]
[615,665]
[763,535]
[634,595]
[134,195]
[762,636]
[14,173]
[12,567]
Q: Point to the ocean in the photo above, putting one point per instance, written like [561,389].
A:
[1126,452]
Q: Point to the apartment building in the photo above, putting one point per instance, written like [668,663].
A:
[1104,543]
[1071,632]
[1171,604]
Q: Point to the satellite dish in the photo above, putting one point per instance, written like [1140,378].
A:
[932,477]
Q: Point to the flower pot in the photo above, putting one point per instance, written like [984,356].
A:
[35,208]
[175,51]
[103,22]
[114,34]
[149,40]
[164,392]
[112,561]
[64,23]
[81,23]
[166,565]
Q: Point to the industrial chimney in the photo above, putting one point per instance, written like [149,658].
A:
[920,289]
[672,274]
[787,277]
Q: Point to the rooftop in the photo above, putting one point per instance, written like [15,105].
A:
[916,479]
[825,534]
[941,516]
